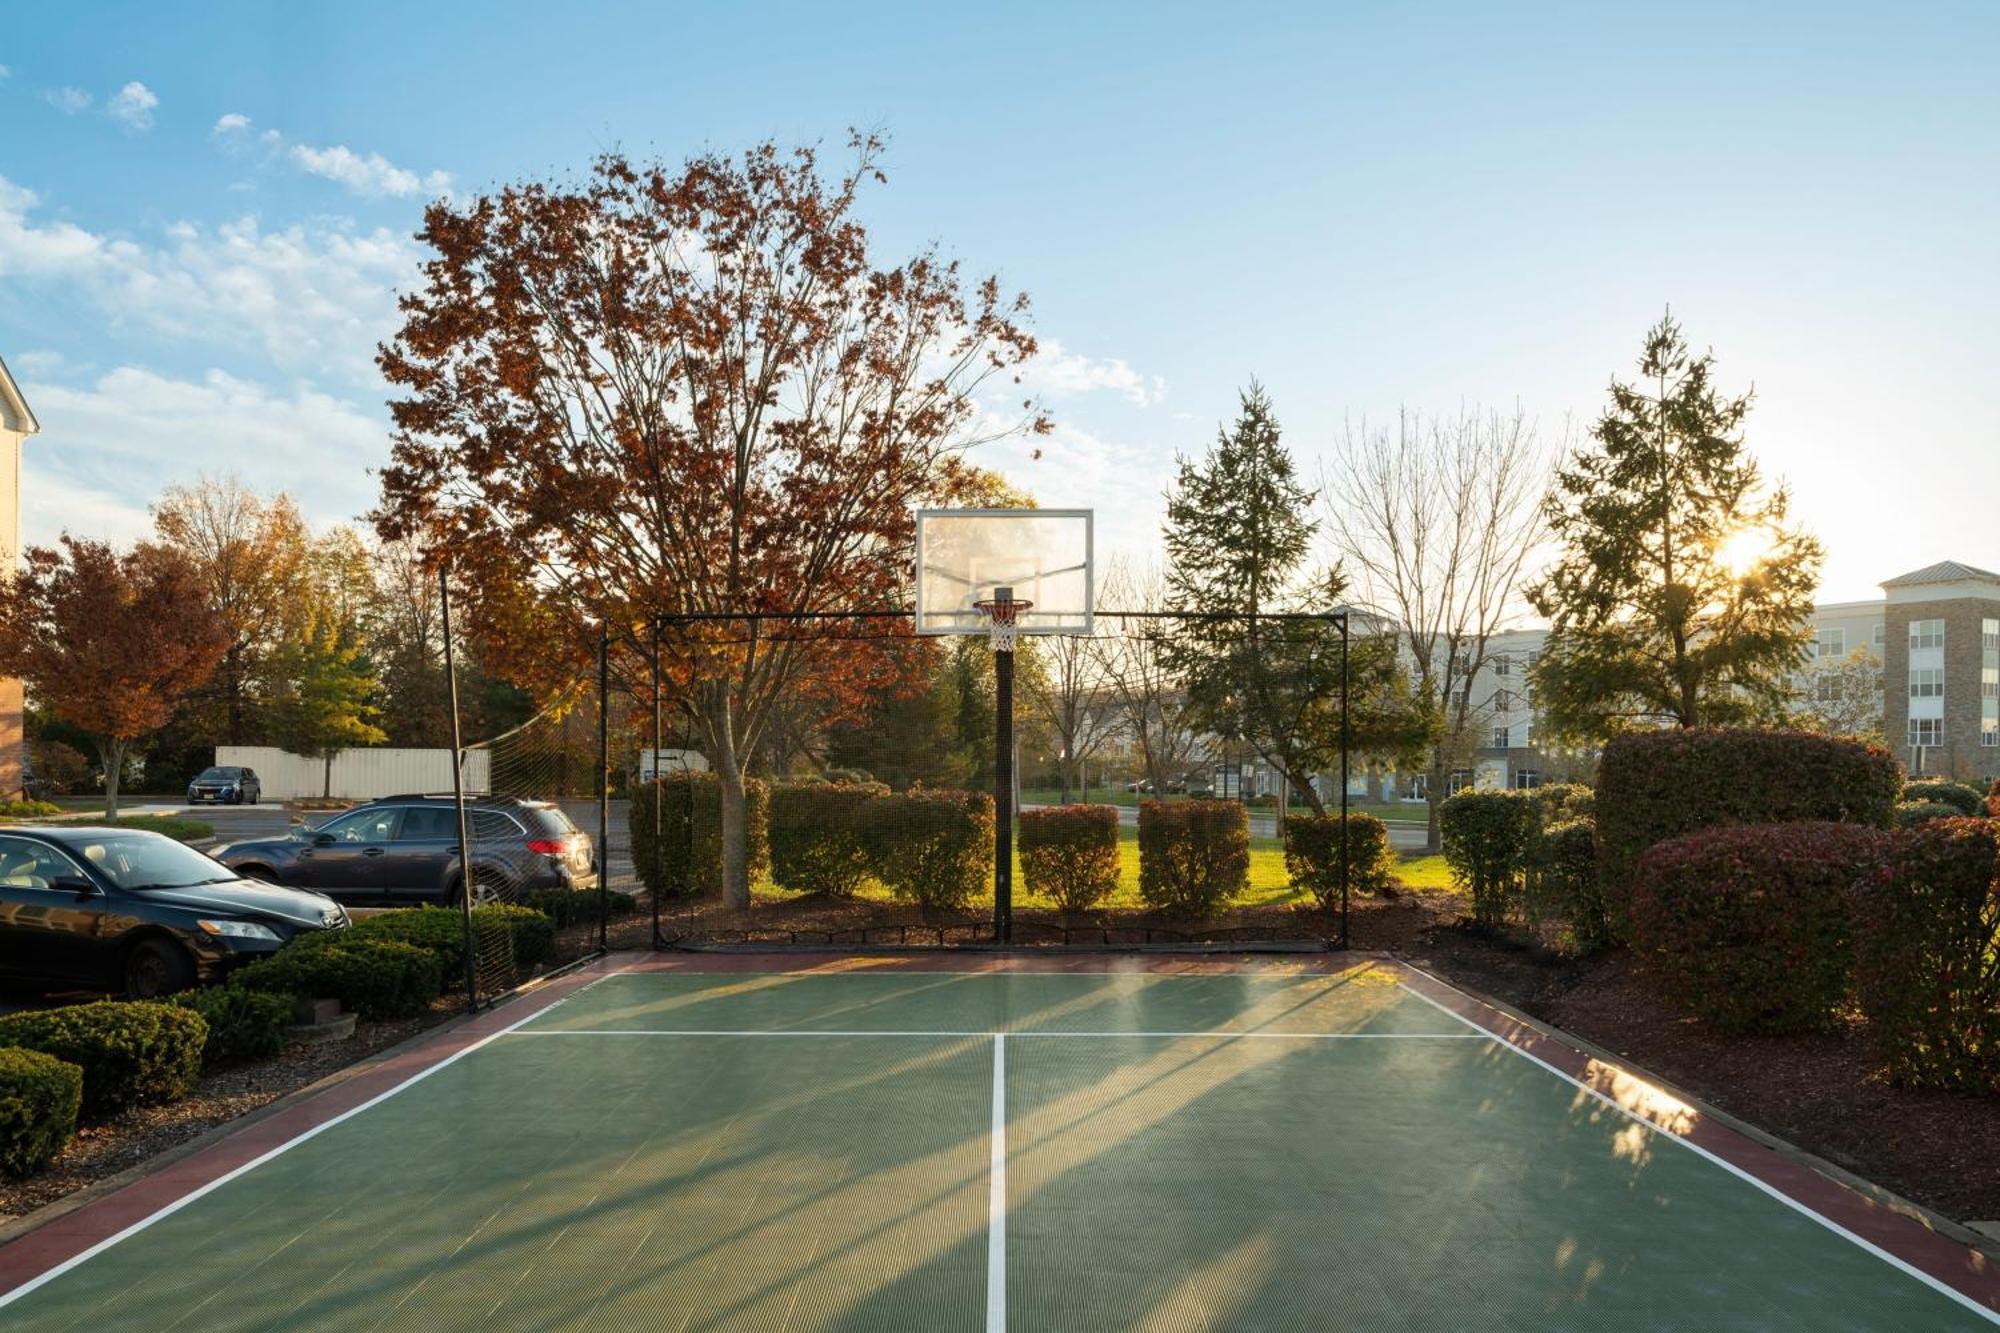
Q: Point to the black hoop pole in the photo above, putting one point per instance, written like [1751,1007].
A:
[1003,794]
[603,785]
[466,877]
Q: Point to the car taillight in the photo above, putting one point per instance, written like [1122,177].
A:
[548,846]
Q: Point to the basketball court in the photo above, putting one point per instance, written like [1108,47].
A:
[957,1143]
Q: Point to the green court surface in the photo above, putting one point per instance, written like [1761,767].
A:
[673,1150]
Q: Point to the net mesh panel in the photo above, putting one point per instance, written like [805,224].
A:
[871,785]
[532,811]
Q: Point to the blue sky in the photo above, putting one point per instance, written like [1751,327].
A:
[1366,206]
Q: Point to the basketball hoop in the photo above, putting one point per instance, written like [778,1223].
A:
[1000,611]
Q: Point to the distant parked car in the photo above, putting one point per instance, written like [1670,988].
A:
[120,909]
[235,786]
[404,849]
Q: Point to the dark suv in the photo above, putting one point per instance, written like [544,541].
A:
[404,849]
[237,786]
[125,909]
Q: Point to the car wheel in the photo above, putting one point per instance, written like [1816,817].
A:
[487,888]
[155,967]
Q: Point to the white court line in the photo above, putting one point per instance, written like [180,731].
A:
[39,1280]
[1734,1170]
[996,1196]
[992,1032]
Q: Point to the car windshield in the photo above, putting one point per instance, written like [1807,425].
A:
[218,774]
[150,861]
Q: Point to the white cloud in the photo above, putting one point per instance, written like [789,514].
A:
[133,105]
[69,101]
[315,296]
[370,175]
[107,449]
[1057,373]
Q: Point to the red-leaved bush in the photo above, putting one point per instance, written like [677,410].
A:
[1927,956]
[1750,927]
[1656,785]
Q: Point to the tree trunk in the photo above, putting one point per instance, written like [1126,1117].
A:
[326,785]
[112,755]
[735,828]
[1434,798]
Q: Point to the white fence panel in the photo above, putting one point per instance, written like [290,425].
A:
[358,775]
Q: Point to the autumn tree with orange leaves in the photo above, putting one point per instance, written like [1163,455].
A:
[688,389]
[108,642]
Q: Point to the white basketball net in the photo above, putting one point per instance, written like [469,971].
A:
[1000,614]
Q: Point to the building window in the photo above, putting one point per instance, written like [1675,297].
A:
[1499,738]
[1926,634]
[1830,644]
[1927,731]
[1989,731]
[1826,687]
[1460,779]
[1927,683]
[1503,666]
[1526,779]
[1989,637]
[1881,635]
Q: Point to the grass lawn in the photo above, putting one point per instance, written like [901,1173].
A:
[1393,812]
[1269,882]
[181,830]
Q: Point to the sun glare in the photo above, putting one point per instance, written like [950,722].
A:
[1745,549]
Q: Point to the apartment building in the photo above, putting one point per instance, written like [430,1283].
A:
[17,423]
[1934,636]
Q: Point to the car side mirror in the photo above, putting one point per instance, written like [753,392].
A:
[322,840]
[75,884]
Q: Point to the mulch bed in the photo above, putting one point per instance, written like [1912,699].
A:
[1821,1092]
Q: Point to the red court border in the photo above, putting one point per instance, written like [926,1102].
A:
[1896,1231]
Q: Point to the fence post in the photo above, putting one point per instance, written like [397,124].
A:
[659,788]
[467,876]
[1003,793]
[603,785]
[1345,737]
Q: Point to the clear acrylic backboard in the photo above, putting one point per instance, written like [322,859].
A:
[1043,555]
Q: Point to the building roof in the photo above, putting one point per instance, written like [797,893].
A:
[1944,571]
[14,410]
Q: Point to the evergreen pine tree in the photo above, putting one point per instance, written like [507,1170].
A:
[1682,592]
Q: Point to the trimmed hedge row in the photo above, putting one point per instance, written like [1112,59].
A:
[242,1024]
[1750,926]
[1909,814]
[819,835]
[1656,785]
[1069,853]
[1194,856]
[1485,836]
[1312,856]
[572,907]
[39,1099]
[132,1053]
[379,979]
[933,848]
[685,854]
[1962,797]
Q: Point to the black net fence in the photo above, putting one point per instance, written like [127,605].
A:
[836,781]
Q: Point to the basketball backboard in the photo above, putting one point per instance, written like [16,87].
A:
[1043,555]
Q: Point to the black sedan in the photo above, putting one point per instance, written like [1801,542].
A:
[226,784]
[120,909]
[404,849]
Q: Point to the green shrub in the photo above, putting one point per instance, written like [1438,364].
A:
[39,1098]
[1485,844]
[28,809]
[1069,854]
[569,907]
[530,934]
[1750,926]
[131,1052]
[1194,856]
[1909,814]
[686,856]
[1927,956]
[1656,785]
[242,1024]
[378,979]
[932,847]
[1312,856]
[816,836]
[1963,798]
[436,930]
[1561,801]
[1561,864]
